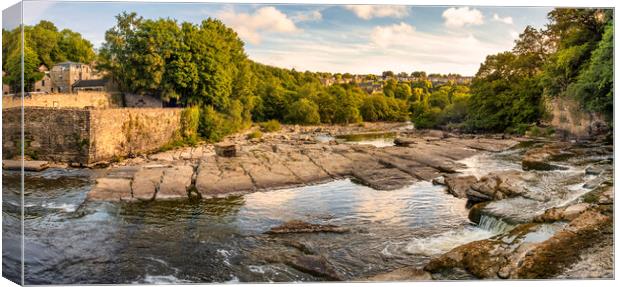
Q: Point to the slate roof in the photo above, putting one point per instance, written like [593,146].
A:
[90,83]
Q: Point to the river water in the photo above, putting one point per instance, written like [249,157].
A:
[224,240]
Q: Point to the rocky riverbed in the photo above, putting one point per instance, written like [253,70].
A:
[288,159]
[381,202]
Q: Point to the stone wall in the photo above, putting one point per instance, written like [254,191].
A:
[571,121]
[49,134]
[97,100]
[127,131]
[141,101]
[87,135]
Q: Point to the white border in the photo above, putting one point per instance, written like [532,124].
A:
[540,3]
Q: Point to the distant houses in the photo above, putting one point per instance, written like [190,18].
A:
[372,83]
[67,77]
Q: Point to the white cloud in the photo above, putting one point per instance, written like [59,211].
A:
[367,12]
[505,20]
[307,16]
[397,47]
[384,36]
[459,17]
[250,26]
[514,34]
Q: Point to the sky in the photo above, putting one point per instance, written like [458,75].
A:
[359,39]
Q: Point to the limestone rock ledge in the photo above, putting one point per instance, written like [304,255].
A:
[262,167]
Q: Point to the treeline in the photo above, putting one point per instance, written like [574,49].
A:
[45,45]
[204,66]
[571,57]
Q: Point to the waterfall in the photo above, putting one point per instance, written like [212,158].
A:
[493,224]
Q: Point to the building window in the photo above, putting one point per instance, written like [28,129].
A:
[42,83]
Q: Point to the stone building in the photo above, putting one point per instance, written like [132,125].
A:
[45,84]
[65,74]
[100,85]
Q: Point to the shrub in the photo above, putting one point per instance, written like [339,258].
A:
[304,112]
[270,126]
[190,119]
[213,126]
[255,135]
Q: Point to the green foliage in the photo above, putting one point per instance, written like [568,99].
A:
[379,108]
[304,112]
[425,116]
[595,83]
[255,135]
[504,94]
[270,126]
[190,121]
[443,106]
[213,126]
[573,55]
[44,45]
[201,64]
[31,72]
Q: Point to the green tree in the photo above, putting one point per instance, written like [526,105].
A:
[303,111]
[595,84]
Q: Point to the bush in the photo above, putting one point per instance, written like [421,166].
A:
[380,108]
[213,126]
[255,135]
[424,117]
[270,126]
[303,112]
[190,120]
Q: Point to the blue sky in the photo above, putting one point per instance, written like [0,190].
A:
[338,38]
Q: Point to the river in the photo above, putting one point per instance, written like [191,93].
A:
[224,240]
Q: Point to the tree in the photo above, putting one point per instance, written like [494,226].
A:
[31,73]
[403,91]
[595,84]
[304,112]
[389,89]
[388,74]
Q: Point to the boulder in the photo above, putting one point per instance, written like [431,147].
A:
[566,213]
[497,185]
[540,158]
[440,180]
[551,257]
[298,226]
[402,274]
[314,265]
[404,142]
[226,150]
[458,185]
[381,178]
[436,134]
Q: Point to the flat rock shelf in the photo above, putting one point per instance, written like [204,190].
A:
[265,166]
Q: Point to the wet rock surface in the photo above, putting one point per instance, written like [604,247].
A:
[542,158]
[402,274]
[559,226]
[497,186]
[555,234]
[458,185]
[297,226]
[528,251]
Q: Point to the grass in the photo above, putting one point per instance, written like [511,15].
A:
[270,126]
[255,135]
